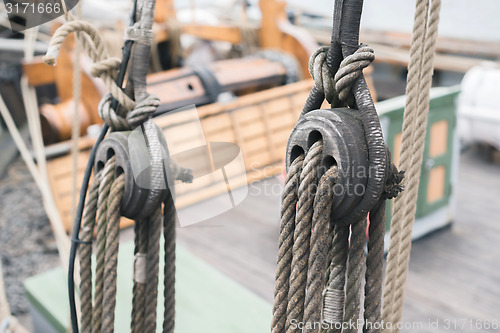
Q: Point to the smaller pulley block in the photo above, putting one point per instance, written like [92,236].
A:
[142,194]
[344,145]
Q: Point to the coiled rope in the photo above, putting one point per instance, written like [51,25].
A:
[420,71]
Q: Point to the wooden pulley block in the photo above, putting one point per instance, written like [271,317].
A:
[344,145]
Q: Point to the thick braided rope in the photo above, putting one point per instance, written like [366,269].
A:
[302,234]
[414,170]
[350,69]
[86,234]
[111,255]
[142,111]
[333,303]
[139,288]
[355,265]
[108,176]
[169,221]
[96,49]
[323,79]
[413,140]
[412,91]
[288,205]
[155,227]
[374,269]
[321,233]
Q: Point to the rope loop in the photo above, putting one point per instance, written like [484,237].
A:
[339,87]
[143,111]
[95,47]
[350,69]
[319,71]
[108,66]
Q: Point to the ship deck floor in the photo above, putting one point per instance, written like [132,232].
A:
[454,277]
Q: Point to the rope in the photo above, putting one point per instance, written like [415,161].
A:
[169,222]
[351,68]
[75,133]
[323,79]
[104,188]
[325,281]
[413,141]
[374,269]
[141,247]
[355,266]
[333,304]
[143,111]
[155,223]
[321,232]
[302,233]
[287,226]
[86,234]
[111,255]
[94,45]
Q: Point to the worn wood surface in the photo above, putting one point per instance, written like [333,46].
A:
[454,273]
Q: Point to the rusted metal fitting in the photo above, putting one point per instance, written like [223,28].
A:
[143,192]
[344,145]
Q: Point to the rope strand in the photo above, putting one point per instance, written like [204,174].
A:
[302,234]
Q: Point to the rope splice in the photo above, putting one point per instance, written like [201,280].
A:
[338,174]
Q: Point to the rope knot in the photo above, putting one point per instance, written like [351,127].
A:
[123,122]
[321,74]
[108,66]
[350,69]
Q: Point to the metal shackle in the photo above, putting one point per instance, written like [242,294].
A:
[133,159]
[344,145]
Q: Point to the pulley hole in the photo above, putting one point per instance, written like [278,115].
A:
[110,153]
[314,136]
[119,171]
[329,161]
[100,165]
[190,87]
[296,152]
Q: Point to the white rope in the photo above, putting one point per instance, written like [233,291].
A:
[75,133]
[420,70]
[94,45]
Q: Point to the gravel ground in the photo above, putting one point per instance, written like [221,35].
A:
[27,246]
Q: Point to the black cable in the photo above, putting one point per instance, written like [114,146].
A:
[76,230]
[86,178]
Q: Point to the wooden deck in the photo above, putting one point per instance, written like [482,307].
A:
[454,273]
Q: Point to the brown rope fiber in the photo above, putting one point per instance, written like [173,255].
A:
[302,235]
[169,223]
[288,205]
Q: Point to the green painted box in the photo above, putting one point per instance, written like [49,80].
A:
[440,161]
[206,300]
